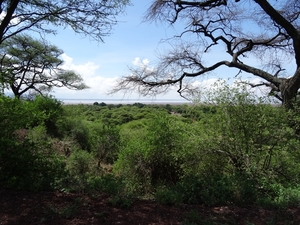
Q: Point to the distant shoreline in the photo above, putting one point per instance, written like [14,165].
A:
[125,101]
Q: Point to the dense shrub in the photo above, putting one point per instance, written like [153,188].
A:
[105,142]
[225,153]
[233,149]
[53,111]
[148,159]
[17,114]
[77,130]
[81,165]
[26,162]
[29,162]
[252,137]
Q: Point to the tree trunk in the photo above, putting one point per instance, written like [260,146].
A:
[289,90]
[6,20]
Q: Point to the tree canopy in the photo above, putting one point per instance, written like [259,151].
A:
[34,65]
[28,64]
[88,17]
[237,30]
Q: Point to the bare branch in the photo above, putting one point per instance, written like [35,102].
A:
[88,17]
[267,31]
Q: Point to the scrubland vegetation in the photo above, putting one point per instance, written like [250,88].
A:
[237,150]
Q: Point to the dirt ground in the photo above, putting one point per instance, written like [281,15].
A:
[57,208]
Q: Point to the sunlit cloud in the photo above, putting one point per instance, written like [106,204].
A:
[90,72]
[140,63]
[86,70]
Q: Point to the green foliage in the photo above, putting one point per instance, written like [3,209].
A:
[26,158]
[105,141]
[139,105]
[239,150]
[132,165]
[221,154]
[277,195]
[168,196]
[76,130]
[253,138]
[17,114]
[31,165]
[107,183]
[80,162]
[53,111]
[113,186]
[31,65]
[81,165]
[101,104]
[90,18]
[208,190]
[122,201]
[147,159]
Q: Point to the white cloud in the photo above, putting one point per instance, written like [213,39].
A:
[141,63]
[204,83]
[85,70]
[99,85]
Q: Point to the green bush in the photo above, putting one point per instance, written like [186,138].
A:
[149,158]
[25,166]
[250,137]
[209,190]
[17,114]
[77,130]
[81,165]
[26,158]
[53,111]
[278,195]
[132,165]
[105,142]
[168,196]
[114,187]
[107,183]
[245,140]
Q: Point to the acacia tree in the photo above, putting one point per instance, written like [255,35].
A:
[93,18]
[34,65]
[268,30]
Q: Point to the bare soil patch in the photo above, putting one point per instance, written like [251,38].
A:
[55,208]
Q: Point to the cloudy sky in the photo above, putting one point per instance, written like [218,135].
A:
[100,64]
[131,42]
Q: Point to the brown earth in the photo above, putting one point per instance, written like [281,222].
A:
[57,208]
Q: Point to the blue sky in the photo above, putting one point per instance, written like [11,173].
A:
[100,64]
[131,41]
